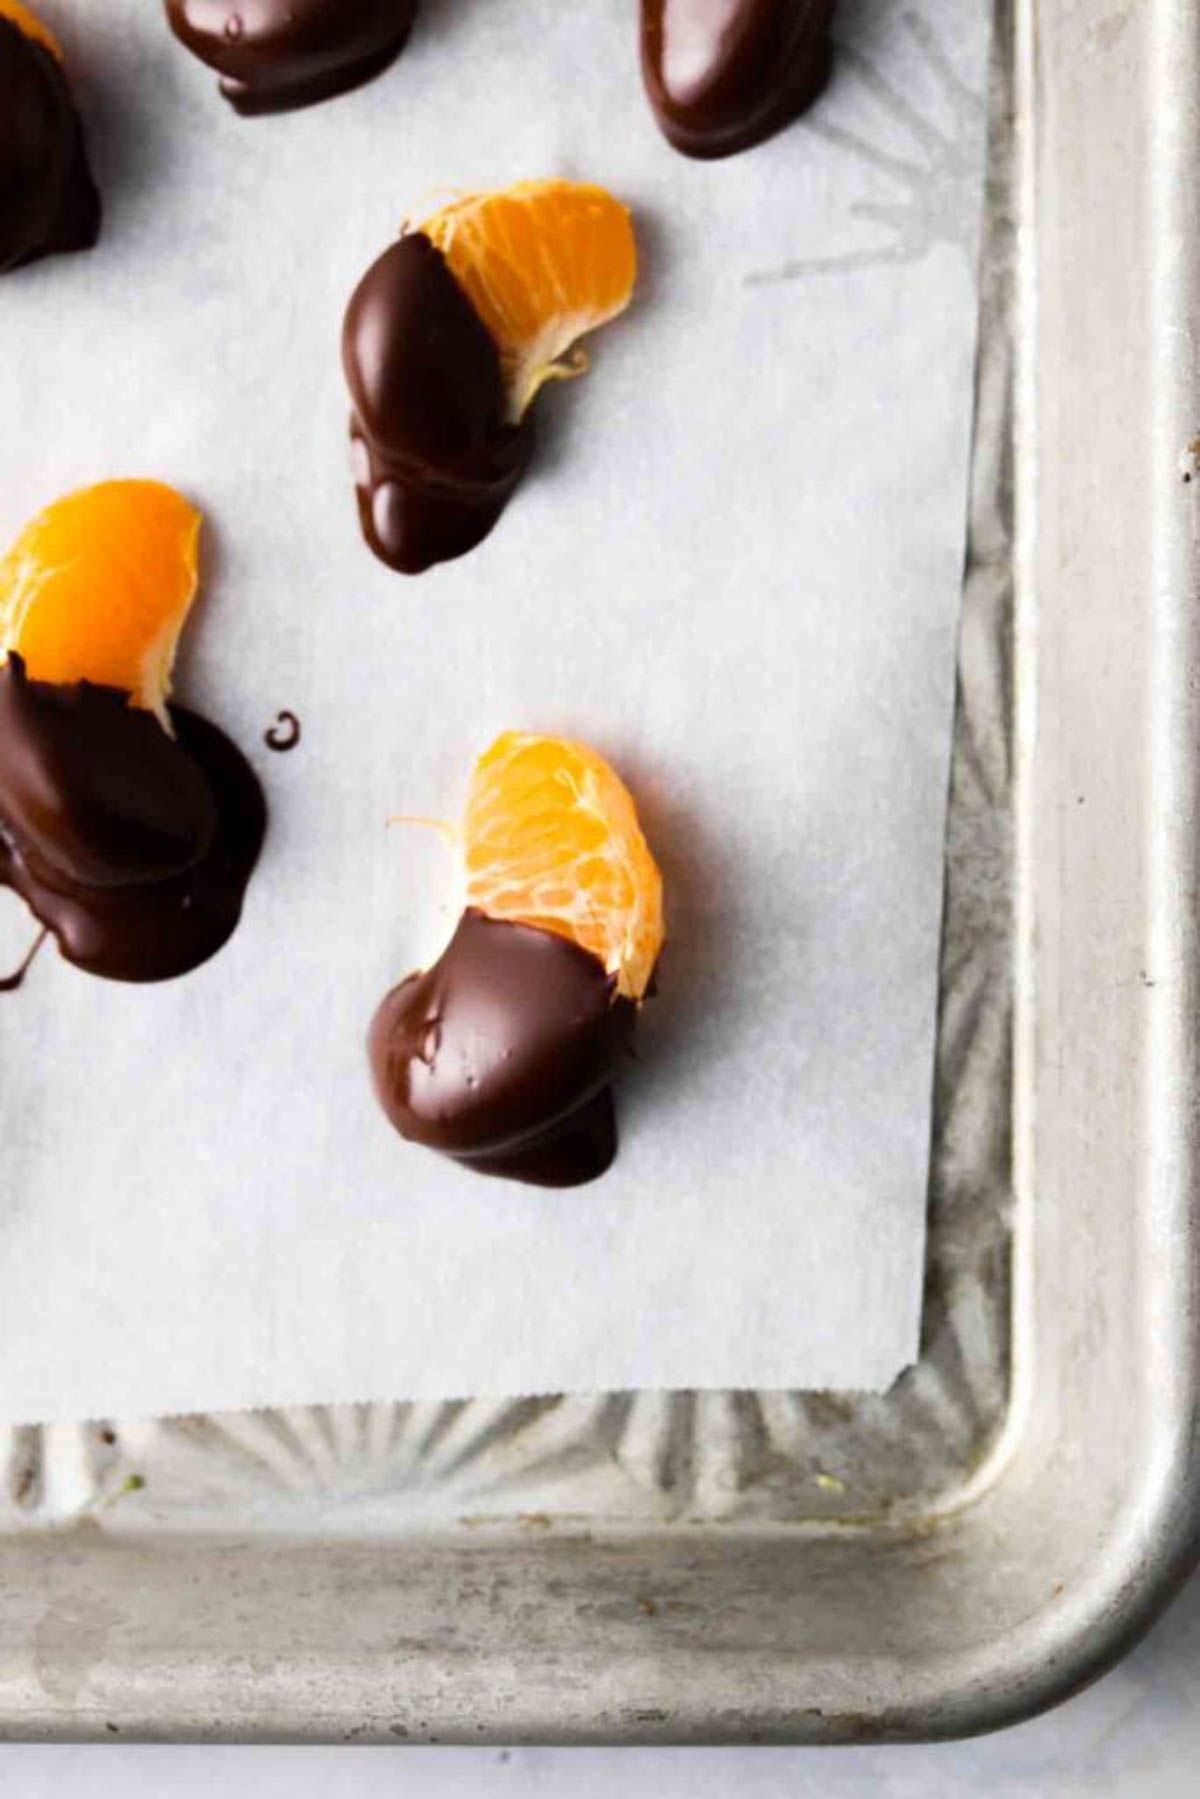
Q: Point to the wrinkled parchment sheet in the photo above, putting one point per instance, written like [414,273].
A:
[735,568]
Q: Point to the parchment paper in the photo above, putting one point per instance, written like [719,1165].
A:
[735,569]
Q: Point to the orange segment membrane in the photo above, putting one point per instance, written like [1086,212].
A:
[551,838]
[542,263]
[97,588]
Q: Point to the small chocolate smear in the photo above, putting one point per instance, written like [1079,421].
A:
[273,55]
[133,847]
[436,461]
[722,75]
[503,1053]
[284,734]
[11,982]
[48,200]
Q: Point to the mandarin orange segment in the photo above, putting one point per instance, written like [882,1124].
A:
[551,839]
[542,263]
[97,588]
[30,25]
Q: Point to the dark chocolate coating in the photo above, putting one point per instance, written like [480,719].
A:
[48,200]
[436,461]
[134,848]
[501,1055]
[273,55]
[724,74]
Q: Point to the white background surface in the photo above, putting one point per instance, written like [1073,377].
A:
[735,568]
[1134,1735]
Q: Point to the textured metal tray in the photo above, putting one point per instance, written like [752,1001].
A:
[789,1566]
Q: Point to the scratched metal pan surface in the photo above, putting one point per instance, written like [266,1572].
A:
[792,1567]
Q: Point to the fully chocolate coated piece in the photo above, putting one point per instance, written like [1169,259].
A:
[48,200]
[501,1055]
[134,848]
[273,55]
[435,460]
[724,74]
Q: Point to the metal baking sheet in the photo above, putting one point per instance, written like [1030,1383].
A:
[797,1567]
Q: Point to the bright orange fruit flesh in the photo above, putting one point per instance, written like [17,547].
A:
[97,588]
[30,25]
[542,263]
[551,839]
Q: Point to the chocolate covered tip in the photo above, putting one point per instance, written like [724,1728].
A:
[48,200]
[723,76]
[133,847]
[435,460]
[502,1054]
[274,55]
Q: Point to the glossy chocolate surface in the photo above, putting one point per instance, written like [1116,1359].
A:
[724,74]
[501,1055]
[435,463]
[273,55]
[134,848]
[48,200]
